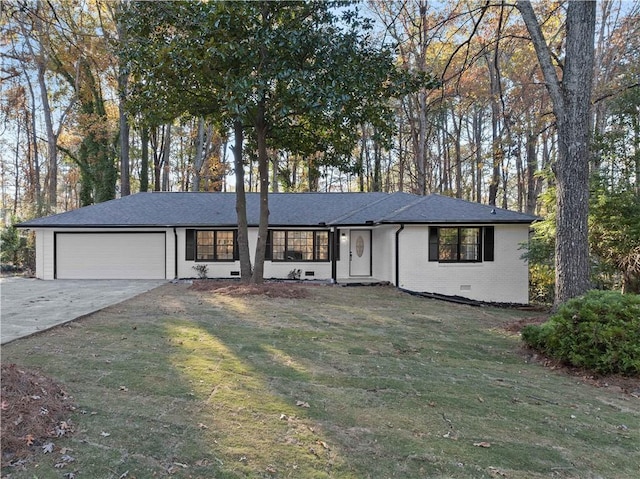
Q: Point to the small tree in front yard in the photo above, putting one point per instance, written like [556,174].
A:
[17,250]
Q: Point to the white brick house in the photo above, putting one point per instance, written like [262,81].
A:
[432,244]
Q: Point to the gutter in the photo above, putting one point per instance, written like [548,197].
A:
[398,254]
[175,254]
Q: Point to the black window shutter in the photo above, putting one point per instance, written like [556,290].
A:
[236,248]
[336,245]
[488,243]
[268,253]
[190,250]
[433,243]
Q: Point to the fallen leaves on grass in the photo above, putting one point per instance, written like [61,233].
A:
[494,471]
[174,467]
[33,410]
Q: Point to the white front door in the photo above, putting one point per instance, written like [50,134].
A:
[360,253]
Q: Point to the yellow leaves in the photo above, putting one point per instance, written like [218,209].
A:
[482,444]
[97,125]
[323,444]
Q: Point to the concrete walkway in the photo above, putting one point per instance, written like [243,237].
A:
[28,306]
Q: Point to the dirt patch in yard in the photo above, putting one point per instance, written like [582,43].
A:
[518,326]
[270,289]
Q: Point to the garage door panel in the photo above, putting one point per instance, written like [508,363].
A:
[110,256]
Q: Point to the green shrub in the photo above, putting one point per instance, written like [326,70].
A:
[17,249]
[599,331]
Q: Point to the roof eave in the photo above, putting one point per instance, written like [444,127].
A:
[457,222]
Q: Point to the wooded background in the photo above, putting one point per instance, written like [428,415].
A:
[478,123]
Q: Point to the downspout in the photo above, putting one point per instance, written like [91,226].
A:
[175,253]
[335,253]
[398,254]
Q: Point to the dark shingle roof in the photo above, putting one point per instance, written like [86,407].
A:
[286,209]
[444,209]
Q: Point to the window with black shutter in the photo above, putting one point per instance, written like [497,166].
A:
[461,244]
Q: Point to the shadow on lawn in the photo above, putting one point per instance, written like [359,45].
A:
[394,389]
[313,391]
[345,383]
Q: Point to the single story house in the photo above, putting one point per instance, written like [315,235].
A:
[432,244]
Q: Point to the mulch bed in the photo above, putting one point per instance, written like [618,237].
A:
[33,411]
[270,289]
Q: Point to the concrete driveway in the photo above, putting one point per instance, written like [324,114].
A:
[31,305]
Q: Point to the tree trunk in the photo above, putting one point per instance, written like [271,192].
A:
[34,163]
[532,166]
[445,155]
[497,152]
[377,166]
[40,57]
[275,166]
[16,185]
[421,153]
[144,159]
[157,157]
[198,161]
[571,101]
[123,84]
[166,158]
[401,159]
[457,131]
[477,137]
[360,165]
[52,142]
[263,171]
[241,204]
[313,173]
[125,185]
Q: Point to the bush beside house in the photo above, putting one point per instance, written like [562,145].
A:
[599,331]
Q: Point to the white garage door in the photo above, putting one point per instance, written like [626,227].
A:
[110,256]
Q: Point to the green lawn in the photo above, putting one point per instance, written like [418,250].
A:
[357,382]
